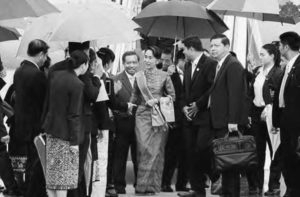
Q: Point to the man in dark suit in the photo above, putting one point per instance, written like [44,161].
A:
[30,83]
[125,123]
[227,102]
[286,112]
[174,154]
[198,78]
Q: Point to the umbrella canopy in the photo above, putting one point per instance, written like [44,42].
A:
[266,10]
[10,9]
[7,33]
[99,22]
[179,19]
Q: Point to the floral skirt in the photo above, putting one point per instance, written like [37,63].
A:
[62,165]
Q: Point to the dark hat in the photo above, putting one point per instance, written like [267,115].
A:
[73,46]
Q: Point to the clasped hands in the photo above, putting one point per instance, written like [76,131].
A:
[190,111]
[130,107]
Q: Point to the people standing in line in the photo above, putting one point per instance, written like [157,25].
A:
[227,103]
[265,81]
[286,109]
[150,128]
[125,123]
[174,154]
[198,78]
[63,125]
[30,87]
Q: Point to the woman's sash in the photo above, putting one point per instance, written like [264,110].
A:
[156,115]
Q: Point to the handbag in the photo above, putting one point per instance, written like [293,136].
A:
[167,109]
[234,152]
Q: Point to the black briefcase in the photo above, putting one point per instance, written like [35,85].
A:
[234,152]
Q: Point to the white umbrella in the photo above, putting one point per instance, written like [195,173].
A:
[78,23]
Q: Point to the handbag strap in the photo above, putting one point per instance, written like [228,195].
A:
[142,84]
[238,132]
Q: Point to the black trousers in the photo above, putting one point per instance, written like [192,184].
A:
[175,158]
[289,136]
[259,130]
[34,174]
[110,162]
[276,169]
[6,171]
[125,139]
[198,160]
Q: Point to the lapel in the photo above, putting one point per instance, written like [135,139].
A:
[198,69]
[291,73]
[126,82]
[222,69]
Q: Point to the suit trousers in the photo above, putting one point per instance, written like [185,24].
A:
[110,162]
[6,171]
[125,139]
[198,159]
[276,168]
[289,135]
[175,158]
[230,178]
[34,174]
[259,130]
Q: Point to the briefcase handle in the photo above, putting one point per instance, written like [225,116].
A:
[238,132]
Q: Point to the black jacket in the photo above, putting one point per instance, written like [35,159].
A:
[30,87]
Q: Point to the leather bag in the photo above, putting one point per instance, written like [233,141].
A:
[234,152]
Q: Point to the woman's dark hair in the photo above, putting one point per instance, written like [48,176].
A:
[272,49]
[106,55]
[77,58]
[155,51]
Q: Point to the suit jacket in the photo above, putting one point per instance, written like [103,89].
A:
[122,118]
[63,119]
[30,87]
[229,100]
[289,117]
[272,83]
[196,89]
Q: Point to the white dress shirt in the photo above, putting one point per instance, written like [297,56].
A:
[131,78]
[258,87]
[194,64]
[286,74]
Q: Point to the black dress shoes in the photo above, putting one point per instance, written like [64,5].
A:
[121,190]
[182,189]
[192,194]
[273,192]
[146,193]
[166,188]
[111,193]
[13,193]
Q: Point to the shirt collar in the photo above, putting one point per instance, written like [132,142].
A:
[291,62]
[130,76]
[195,62]
[223,59]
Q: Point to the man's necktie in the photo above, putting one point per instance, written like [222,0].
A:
[282,87]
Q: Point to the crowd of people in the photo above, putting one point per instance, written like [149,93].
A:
[76,102]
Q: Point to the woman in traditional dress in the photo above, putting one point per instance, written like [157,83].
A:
[63,126]
[151,129]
